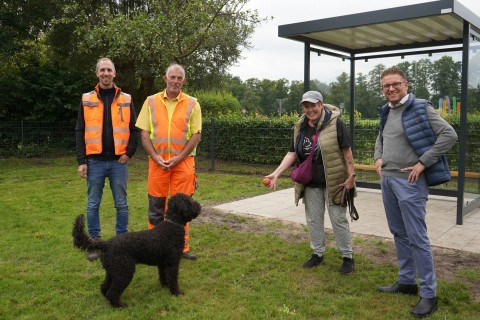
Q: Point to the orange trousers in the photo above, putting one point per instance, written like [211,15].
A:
[165,183]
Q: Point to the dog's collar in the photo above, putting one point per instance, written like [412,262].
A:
[178,224]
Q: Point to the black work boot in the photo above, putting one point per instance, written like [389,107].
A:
[189,256]
[425,307]
[411,289]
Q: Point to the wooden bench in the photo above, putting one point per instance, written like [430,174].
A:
[468,175]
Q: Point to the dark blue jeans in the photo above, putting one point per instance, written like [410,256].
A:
[117,174]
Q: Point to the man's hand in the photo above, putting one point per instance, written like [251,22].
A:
[415,171]
[82,171]
[172,162]
[378,167]
[159,161]
[124,158]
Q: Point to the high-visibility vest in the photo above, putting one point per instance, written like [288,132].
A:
[93,115]
[170,136]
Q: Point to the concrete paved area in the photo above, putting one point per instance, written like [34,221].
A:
[441,216]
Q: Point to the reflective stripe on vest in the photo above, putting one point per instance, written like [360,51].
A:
[169,136]
[93,110]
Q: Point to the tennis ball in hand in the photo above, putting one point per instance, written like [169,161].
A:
[266,182]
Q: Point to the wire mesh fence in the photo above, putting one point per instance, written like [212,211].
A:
[17,137]
[256,145]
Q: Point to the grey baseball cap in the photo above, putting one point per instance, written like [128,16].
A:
[312,96]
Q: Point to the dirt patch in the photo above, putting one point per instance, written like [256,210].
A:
[448,262]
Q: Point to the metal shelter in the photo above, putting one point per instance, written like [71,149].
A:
[425,28]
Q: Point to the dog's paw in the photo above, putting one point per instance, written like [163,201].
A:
[119,304]
[177,293]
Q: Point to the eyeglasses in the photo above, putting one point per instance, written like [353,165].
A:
[395,85]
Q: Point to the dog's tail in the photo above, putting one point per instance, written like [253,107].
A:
[82,240]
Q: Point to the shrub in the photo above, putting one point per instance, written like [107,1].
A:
[214,104]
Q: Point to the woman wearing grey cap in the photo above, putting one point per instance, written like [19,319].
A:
[332,167]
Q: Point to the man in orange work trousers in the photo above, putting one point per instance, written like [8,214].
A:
[171,124]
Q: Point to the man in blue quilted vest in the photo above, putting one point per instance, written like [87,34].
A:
[409,157]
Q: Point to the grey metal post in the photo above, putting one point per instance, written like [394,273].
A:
[463,123]
[352,102]
[306,70]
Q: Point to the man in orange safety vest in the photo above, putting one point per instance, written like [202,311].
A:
[106,139]
[171,126]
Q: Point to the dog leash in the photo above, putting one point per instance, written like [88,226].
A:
[346,199]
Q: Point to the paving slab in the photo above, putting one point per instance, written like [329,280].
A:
[441,216]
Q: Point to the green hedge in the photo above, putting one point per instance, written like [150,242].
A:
[249,139]
[262,140]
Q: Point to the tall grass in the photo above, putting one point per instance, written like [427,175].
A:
[239,274]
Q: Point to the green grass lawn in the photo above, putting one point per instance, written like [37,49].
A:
[241,273]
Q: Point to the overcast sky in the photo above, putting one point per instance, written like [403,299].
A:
[275,58]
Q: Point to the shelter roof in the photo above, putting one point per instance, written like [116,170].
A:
[429,24]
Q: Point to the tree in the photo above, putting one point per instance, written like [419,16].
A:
[295,92]
[141,36]
[22,23]
[266,90]
[422,72]
[340,91]
[319,86]
[205,36]
[408,68]
[249,102]
[374,80]
[281,92]
[31,86]
[446,75]
[367,102]
[42,92]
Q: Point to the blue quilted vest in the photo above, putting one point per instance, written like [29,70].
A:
[421,137]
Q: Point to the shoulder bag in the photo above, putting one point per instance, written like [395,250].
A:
[303,173]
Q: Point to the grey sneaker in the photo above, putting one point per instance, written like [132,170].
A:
[348,266]
[313,262]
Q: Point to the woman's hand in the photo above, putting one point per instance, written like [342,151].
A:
[349,183]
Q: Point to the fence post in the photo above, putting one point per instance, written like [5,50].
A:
[212,144]
[21,126]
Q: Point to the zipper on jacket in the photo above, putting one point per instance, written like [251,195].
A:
[120,112]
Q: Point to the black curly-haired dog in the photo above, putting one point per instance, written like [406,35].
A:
[161,246]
